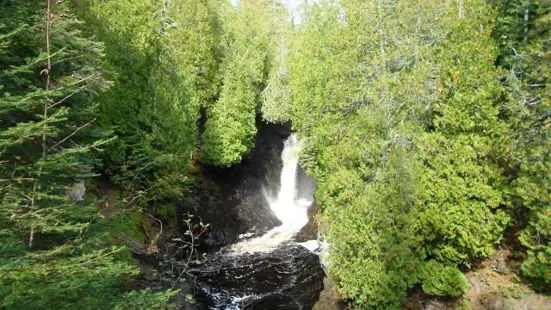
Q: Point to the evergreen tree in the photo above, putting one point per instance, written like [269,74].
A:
[423,146]
[164,59]
[47,117]
[462,180]
[523,31]
[50,257]
[276,96]
[401,146]
[231,121]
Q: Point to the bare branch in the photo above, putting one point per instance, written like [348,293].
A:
[74,92]
[153,242]
[72,134]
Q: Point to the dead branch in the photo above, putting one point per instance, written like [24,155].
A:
[72,134]
[192,246]
[152,248]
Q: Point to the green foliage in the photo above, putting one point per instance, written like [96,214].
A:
[231,121]
[401,146]
[441,280]
[423,149]
[231,125]
[146,299]
[159,87]
[51,254]
[374,262]
[168,213]
[46,133]
[72,274]
[277,97]
[128,223]
[523,30]
[537,238]
[197,25]
[41,281]
[464,185]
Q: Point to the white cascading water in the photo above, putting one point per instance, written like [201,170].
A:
[291,211]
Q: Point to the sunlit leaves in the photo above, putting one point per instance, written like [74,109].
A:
[231,120]
[397,101]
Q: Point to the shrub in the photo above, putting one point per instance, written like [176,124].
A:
[537,238]
[441,280]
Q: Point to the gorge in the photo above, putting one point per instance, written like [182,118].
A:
[275,154]
[264,268]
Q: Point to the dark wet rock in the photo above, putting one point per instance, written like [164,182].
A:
[310,231]
[233,200]
[289,277]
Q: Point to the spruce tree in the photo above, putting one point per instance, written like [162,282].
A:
[51,254]
[48,135]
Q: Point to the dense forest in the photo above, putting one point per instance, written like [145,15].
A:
[426,126]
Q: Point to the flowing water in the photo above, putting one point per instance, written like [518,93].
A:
[270,271]
[291,210]
[265,268]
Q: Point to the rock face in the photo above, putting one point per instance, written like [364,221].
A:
[329,299]
[232,200]
[290,277]
[76,193]
[310,231]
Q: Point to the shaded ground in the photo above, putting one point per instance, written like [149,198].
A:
[149,243]
[329,298]
[494,285]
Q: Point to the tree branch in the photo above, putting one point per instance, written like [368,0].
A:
[72,134]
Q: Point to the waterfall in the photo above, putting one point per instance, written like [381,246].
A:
[269,270]
[287,207]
